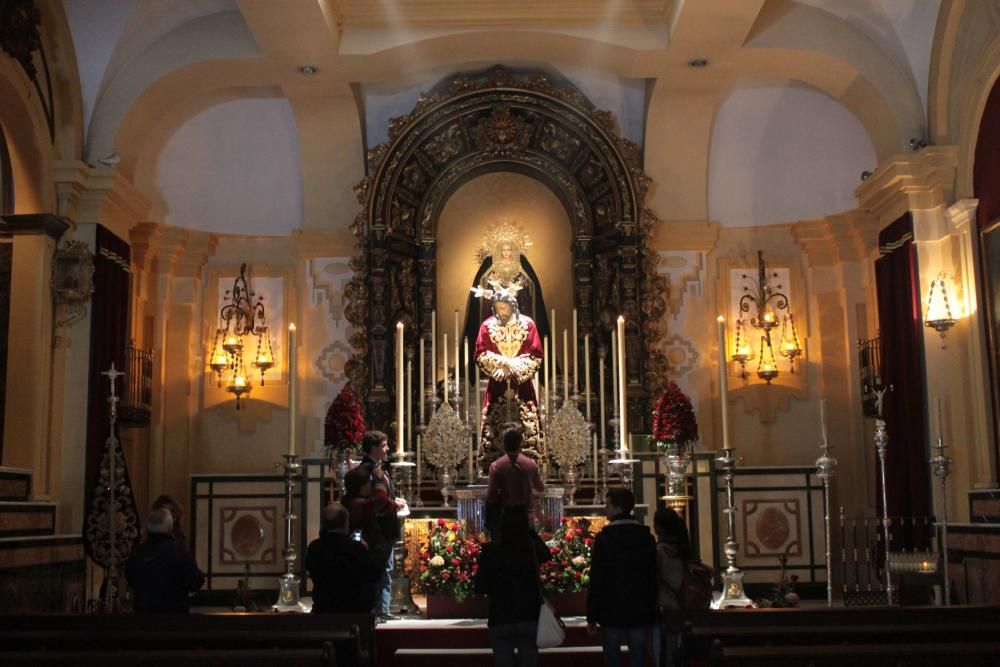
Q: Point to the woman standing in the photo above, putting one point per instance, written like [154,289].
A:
[673,551]
[508,576]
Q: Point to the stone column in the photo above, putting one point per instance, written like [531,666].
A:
[29,350]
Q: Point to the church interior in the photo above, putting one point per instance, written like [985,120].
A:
[227,224]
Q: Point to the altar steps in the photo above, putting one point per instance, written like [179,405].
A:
[974,551]
[457,643]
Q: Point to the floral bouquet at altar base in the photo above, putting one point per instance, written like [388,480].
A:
[449,560]
[344,428]
[674,422]
[569,569]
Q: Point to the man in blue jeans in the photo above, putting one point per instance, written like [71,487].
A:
[622,597]
[375,448]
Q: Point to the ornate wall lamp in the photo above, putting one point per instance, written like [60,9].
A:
[72,281]
[940,316]
[763,307]
[241,316]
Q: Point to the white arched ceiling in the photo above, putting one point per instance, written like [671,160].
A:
[234,168]
[209,37]
[784,153]
[624,97]
[96,25]
[903,28]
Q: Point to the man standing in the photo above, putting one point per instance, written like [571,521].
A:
[161,571]
[343,575]
[375,448]
[514,478]
[622,597]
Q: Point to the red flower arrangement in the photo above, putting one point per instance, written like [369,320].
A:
[345,425]
[673,417]
[449,561]
[569,569]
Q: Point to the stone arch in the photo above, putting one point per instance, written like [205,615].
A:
[502,120]
[28,141]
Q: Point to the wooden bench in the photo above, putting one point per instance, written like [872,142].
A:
[184,640]
[822,636]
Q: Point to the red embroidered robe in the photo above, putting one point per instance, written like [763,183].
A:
[517,342]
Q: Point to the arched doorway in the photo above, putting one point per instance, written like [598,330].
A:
[501,121]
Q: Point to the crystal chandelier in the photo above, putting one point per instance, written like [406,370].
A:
[241,316]
[763,307]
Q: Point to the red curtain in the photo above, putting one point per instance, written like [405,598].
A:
[108,340]
[901,349]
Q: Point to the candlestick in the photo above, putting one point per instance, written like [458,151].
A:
[723,381]
[465,376]
[586,373]
[576,367]
[565,367]
[940,422]
[421,383]
[555,336]
[614,373]
[602,415]
[478,406]
[444,346]
[434,359]
[458,360]
[622,400]
[594,441]
[292,388]
[418,467]
[399,387]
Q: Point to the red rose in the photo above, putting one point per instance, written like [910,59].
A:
[563,563]
[554,550]
[449,549]
[445,575]
[441,522]
[588,541]
[455,561]
[578,575]
[454,526]
[578,531]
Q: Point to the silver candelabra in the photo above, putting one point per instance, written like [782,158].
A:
[939,466]
[881,443]
[288,583]
[826,468]
[733,594]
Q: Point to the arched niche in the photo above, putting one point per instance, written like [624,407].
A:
[478,124]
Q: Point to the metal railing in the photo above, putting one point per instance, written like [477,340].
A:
[137,394]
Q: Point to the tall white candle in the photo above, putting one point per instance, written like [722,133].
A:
[594,437]
[417,490]
[622,401]
[586,373]
[940,419]
[723,381]
[409,401]
[478,406]
[434,359]
[444,346]
[465,376]
[546,365]
[399,387]
[565,367]
[555,338]
[458,359]
[423,379]
[292,388]
[822,422]
[614,373]
[576,355]
[602,415]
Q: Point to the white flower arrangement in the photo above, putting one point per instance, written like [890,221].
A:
[569,436]
[447,441]
[437,561]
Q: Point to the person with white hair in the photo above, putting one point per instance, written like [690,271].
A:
[161,570]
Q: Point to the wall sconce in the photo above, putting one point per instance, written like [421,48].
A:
[242,316]
[72,281]
[939,313]
[764,306]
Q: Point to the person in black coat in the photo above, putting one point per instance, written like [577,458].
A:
[623,585]
[161,570]
[508,576]
[342,571]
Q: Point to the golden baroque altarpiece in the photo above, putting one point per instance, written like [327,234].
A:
[501,120]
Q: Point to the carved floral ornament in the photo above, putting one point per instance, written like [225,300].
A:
[497,121]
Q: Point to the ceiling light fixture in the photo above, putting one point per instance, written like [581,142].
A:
[697,62]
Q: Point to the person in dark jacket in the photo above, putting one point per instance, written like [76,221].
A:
[508,576]
[673,550]
[161,571]
[343,573]
[622,596]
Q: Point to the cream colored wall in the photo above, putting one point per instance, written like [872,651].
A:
[466,217]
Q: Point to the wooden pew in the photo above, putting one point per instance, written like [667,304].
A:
[185,640]
[822,636]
